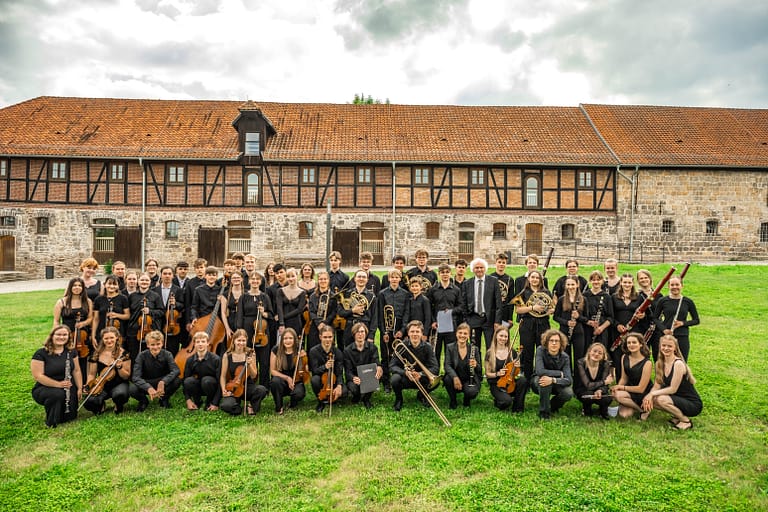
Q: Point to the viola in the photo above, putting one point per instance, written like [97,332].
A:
[172,317]
[329,382]
[507,381]
[96,385]
[80,337]
[260,338]
[236,385]
[145,324]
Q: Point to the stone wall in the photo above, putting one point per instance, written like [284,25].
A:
[737,201]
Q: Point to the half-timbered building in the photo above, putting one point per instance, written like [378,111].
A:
[181,179]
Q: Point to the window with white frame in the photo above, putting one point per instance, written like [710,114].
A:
[477,177]
[308,175]
[176,174]
[421,176]
[364,175]
[252,143]
[252,192]
[585,179]
[117,172]
[58,170]
[532,192]
[3,168]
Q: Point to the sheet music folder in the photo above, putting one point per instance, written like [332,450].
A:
[368,381]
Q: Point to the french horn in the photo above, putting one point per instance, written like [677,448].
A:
[539,299]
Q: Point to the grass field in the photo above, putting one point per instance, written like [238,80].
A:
[382,460]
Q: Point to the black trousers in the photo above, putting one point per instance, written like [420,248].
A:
[401,382]
[279,389]
[469,392]
[317,384]
[53,399]
[503,400]
[254,393]
[142,396]
[118,393]
[195,388]
[354,390]
[603,403]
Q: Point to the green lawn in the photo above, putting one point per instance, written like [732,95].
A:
[382,460]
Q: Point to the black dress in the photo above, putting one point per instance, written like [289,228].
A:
[55,399]
[634,373]
[686,398]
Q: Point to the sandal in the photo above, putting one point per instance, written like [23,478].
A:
[681,425]
[251,411]
[673,421]
[644,415]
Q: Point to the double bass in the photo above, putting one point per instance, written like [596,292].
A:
[211,324]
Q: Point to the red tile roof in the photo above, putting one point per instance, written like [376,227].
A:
[202,130]
[683,136]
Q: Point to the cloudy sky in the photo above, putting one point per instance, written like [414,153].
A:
[465,52]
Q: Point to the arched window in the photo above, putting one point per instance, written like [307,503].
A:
[532,192]
[252,193]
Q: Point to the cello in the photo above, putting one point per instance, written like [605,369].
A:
[214,328]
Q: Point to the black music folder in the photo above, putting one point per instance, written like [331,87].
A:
[368,381]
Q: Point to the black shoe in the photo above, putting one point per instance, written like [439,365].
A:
[119,408]
[256,406]
[387,388]
[320,407]
[424,401]
[398,404]
[544,415]
[142,406]
[586,411]
[467,402]
[367,404]
[453,404]
[164,403]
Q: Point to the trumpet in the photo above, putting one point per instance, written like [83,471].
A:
[539,299]
[403,353]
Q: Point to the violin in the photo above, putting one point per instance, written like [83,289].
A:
[114,322]
[145,325]
[236,385]
[260,338]
[507,381]
[302,370]
[307,321]
[96,385]
[172,317]
[80,337]
[329,382]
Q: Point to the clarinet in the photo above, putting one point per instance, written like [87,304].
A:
[67,390]
[574,307]
[597,316]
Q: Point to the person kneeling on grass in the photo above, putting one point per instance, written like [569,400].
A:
[155,374]
[673,391]
[552,373]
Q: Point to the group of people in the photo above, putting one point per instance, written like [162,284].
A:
[230,340]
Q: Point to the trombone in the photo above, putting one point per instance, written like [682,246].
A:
[400,349]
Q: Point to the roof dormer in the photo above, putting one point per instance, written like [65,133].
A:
[254,131]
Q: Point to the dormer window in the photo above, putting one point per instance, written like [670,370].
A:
[252,146]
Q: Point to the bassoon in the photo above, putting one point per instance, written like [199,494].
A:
[642,307]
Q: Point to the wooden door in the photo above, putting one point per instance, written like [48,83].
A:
[533,238]
[7,252]
[347,242]
[128,246]
[211,245]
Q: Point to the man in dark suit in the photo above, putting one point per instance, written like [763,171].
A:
[483,316]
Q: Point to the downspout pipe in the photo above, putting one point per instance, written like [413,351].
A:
[633,205]
[394,208]
[143,212]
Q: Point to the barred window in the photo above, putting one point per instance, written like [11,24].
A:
[667,226]
[712,227]
[433,230]
[764,232]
